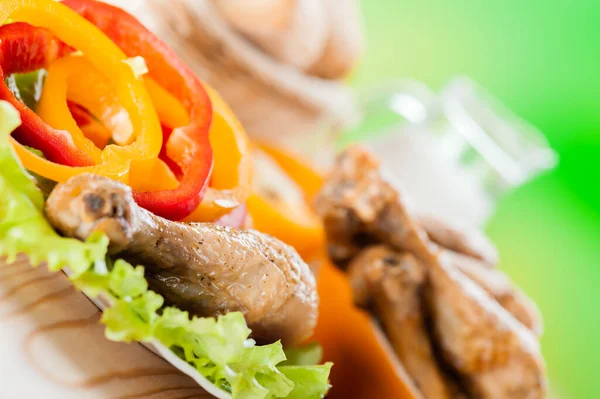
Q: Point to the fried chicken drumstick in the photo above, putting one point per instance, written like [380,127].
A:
[485,329]
[206,269]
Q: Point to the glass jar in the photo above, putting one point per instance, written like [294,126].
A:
[452,154]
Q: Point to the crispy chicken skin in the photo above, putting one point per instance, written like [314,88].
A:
[200,267]
[392,283]
[495,353]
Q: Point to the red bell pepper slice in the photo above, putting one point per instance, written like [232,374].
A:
[188,146]
[165,157]
[24,48]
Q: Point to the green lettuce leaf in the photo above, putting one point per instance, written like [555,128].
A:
[311,382]
[220,349]
[308,355]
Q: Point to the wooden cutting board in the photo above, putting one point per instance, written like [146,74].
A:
[52,346]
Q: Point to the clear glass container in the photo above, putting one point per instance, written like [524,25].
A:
[454,154]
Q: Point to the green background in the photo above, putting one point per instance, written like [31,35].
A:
[542,59]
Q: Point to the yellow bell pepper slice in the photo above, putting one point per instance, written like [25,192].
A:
[73,78]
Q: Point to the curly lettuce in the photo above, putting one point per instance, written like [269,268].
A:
[219,349]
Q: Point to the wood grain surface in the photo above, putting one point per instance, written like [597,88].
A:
[52,346]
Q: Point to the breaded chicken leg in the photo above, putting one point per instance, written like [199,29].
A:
[201,267]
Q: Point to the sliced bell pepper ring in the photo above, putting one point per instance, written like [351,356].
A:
[99,99]
[74,79]
[170,111]
[188,146]
[15,41]
[231,178]
[76,32]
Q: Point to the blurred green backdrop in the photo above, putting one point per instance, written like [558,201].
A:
[542,58]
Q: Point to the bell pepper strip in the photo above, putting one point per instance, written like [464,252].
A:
[153,177]
[74,78]
[231,181]
[278,207]
[104,55]
[53,107]
[89,125]
[188,146]
[16,40]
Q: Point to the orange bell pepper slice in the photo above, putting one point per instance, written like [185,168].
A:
[171,112]
[73,78]
[104,55]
